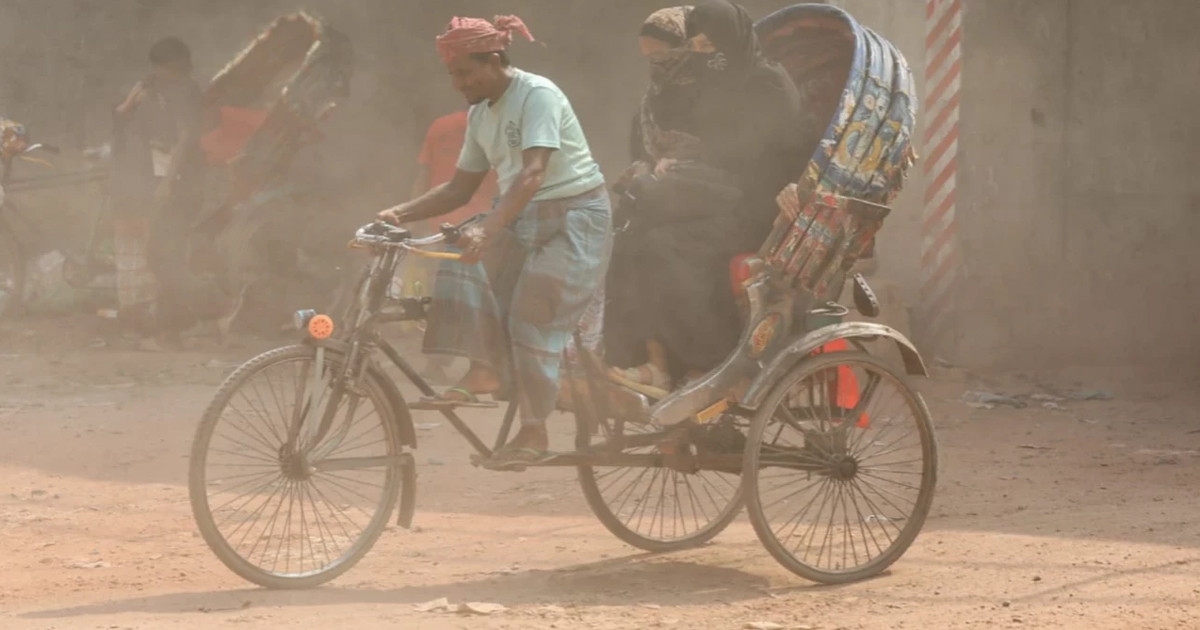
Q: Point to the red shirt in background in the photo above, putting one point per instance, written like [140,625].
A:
[439,153]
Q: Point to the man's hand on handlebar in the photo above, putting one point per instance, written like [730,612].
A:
[393,215]
[473,240]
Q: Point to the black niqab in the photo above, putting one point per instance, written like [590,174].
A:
[730,29]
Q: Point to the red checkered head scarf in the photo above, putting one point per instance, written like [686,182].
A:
[465,35]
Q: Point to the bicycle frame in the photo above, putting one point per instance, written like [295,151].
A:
[373,309]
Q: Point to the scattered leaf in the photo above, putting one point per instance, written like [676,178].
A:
[481,608]
[95,564]
[440,604]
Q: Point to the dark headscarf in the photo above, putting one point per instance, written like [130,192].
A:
[730,106]
[730,29]
[668,26]
[666,108]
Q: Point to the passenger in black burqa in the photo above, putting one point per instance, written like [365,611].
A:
[717,137]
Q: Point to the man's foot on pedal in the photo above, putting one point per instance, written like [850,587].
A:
[529,447]
[480,380]
[463,395]
[517,458]
[451,399]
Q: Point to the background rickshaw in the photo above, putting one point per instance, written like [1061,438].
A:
[306,451]
[25,234]
[263,109]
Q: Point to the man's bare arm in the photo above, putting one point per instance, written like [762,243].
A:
[512,202]
[524,187]
[421,182]
[441,199]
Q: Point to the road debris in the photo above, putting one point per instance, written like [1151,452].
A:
[989,400]
[440,604]
[481,608]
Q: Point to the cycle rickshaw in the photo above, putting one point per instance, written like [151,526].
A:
[261,109]
[305,453]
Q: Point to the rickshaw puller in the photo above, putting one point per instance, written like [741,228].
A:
[531,268]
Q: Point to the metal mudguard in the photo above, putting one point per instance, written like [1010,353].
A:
[803,347]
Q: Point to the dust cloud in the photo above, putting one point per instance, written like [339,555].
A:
[1033,87]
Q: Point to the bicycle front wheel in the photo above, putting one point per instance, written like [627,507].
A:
[287,517]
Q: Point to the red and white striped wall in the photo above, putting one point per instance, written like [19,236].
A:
[941,258]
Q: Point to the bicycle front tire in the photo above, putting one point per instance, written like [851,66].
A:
[265,536]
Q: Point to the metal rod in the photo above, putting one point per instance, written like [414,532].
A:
[722,463]
[355,463]
[413,377]
[506,427]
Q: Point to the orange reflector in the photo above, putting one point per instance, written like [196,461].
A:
[739,273]
[844,388]
[320,327]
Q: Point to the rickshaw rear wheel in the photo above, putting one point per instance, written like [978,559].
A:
[840,468]
[660,509]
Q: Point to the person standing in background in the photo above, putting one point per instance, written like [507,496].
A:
[439,159]
[436,164]
[157,189]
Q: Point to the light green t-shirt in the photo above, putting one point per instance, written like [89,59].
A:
[533,112]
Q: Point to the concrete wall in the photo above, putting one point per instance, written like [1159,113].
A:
[1079,151]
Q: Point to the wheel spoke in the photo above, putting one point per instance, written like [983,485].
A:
[653,506]
[848,498]
[282,513]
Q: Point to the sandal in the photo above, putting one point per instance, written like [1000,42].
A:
[455,397]
[517,458]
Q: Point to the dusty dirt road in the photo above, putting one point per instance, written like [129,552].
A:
[1083,515]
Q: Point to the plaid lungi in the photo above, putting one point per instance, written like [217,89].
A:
[135,280]
[517,309]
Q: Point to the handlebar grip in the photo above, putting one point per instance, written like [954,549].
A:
[398,235]
[454,232]
[451,232]
[378,228]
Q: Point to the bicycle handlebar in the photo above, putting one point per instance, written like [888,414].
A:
[381,234]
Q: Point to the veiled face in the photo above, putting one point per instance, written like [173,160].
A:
[664,60]
[653,49]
